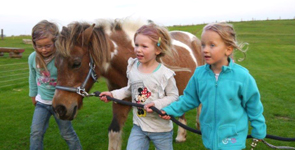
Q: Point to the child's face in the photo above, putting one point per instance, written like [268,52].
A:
[215,51]
[45,46]
[145,49]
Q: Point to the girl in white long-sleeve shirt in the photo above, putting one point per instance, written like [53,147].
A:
[149,82]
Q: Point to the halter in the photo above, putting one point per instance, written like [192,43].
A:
[81,89]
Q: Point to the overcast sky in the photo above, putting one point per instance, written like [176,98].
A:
[19,16]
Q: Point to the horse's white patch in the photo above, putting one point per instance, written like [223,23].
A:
[180,44]
[115,52]
[106,67]
[130,27]
[115,140]
[130,35]
[191,36]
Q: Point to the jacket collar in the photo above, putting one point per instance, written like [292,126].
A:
[224,68]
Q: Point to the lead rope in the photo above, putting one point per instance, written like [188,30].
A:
[276,147]
[255,142]
[253,145]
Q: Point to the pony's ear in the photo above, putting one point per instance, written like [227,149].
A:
[64,30]
[86,35]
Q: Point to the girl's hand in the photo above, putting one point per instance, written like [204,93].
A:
[166,117]
[103,95]
[34,101]
[147,107]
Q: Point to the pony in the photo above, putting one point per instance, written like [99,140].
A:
[85,52]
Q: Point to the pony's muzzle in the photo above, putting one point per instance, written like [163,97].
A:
[60,110]
[64,114]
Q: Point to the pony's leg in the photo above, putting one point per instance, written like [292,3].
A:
[115,140]
[120,114]
[198,125]
[181,133]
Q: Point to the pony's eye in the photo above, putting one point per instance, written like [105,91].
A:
[76,64]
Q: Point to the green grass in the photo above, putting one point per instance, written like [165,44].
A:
[270,59]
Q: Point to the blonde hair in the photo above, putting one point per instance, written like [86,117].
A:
[41,30]
[160,36]
[228,35]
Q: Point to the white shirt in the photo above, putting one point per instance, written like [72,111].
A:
[39,99]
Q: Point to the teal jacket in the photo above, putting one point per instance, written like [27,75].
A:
[227,106]
[40,81]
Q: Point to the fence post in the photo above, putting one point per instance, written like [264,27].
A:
[2,34]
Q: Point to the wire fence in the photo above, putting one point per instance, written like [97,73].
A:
[13,75]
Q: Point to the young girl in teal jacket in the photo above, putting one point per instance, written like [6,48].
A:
[228,94]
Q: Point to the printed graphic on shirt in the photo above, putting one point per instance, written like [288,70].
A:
[140,95]
[46,79]
[229,140]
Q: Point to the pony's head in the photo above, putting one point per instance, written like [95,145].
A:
[81,51]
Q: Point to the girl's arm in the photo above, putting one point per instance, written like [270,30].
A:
[122,93]
[33,89]
[118,94]
[254,108]
[172,94]
[186,102]
[34,101]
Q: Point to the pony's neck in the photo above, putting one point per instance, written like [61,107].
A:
[115,70]
[120,37]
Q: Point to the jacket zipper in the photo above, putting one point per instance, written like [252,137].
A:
[215,146]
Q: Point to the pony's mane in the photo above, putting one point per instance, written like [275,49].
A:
[69,37]
[127,25]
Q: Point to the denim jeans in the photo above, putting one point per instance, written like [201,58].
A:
[140,140]
[40,123]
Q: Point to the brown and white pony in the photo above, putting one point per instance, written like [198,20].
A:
[109,45]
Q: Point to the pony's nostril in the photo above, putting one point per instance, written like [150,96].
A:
[60,110]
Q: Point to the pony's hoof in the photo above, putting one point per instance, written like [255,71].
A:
[180,140]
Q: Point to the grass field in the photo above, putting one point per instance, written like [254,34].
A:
[270,59]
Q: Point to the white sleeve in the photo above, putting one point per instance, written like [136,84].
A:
[122,93]
[171,92]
